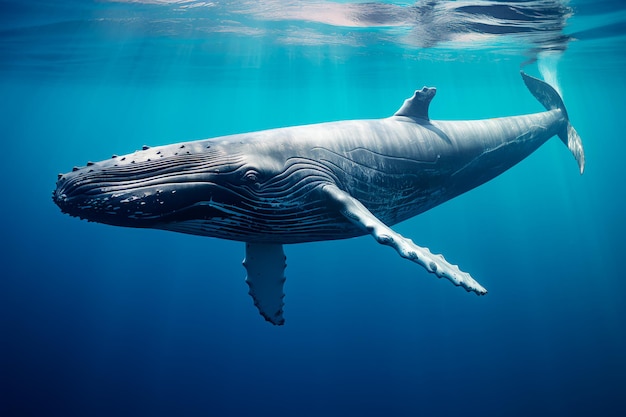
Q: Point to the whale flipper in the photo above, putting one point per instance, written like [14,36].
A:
[359,215]
[265,264]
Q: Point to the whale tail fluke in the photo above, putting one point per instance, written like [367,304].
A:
[551,100]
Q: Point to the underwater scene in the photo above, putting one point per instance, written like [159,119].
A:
[143,307]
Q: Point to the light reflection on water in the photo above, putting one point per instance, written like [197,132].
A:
[71,37]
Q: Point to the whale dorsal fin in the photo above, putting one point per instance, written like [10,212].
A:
[417,106]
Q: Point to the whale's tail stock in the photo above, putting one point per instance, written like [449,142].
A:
[551,100]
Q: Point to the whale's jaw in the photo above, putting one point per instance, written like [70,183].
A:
[139,191]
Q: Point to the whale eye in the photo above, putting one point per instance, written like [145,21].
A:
[251,176]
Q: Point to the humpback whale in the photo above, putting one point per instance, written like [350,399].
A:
[317,182]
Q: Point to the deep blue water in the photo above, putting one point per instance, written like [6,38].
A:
[102,321]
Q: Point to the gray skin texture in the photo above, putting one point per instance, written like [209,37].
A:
[317,182]
[268,186]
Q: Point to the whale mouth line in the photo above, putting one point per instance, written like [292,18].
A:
[158,186]
[144,201]
[109,183]
[110,176]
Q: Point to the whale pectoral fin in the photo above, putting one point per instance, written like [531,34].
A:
[265,264]
[359,215]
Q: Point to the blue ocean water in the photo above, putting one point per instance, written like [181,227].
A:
[101,321]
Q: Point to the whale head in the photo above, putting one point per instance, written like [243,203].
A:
[155,186]
[229,189]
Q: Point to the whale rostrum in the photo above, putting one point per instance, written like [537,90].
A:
[315,182]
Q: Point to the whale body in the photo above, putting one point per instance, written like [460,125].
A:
[315,182]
